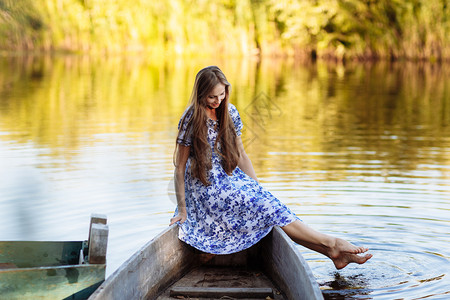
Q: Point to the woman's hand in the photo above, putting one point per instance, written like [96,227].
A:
[179,217]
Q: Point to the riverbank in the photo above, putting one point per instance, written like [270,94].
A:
[338,30]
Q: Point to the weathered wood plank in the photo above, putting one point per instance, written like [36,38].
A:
[224,277]
[95,219]
[288,267]
[98,219]
[98,242]
[219,292]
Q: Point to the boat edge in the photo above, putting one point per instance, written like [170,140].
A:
[158,262]
[288,268]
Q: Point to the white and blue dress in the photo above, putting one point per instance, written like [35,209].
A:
[233,212]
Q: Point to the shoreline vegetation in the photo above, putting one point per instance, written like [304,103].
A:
[330,29]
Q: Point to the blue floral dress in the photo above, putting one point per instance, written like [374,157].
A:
[234,212]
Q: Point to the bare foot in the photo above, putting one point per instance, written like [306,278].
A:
[338,250]
[342,253]
[343,260]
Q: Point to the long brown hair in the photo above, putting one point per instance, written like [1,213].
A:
[206,79]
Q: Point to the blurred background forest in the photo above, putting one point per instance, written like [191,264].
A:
[339,29]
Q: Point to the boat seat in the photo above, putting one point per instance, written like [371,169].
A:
[219,292]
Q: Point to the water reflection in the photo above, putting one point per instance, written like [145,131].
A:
[357,150]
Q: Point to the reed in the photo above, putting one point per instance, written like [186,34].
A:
[341,29]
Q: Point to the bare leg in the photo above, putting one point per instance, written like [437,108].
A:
[338,250]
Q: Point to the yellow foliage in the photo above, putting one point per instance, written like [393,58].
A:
[337,28]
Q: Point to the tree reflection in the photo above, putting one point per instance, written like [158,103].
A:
[385,116]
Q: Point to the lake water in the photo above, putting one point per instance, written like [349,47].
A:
[359,151]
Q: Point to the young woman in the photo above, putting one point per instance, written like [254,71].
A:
[221,207]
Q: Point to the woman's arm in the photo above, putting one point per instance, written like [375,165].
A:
[244,161]
[182,156]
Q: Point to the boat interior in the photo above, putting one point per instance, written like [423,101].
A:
[242,275]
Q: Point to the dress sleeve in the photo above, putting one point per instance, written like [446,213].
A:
[184,131]
[236,118]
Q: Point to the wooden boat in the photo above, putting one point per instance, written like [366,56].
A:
[166,268]
[54,270]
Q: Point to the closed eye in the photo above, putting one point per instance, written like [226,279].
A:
[212,97]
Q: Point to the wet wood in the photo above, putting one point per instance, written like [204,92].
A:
[97,239]
[98,242]
[96,219]
[220,292]
[215,282]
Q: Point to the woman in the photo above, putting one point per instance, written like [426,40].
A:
[221,207]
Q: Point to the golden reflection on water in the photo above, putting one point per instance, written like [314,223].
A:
[57,102]
[291,112]
[327,117]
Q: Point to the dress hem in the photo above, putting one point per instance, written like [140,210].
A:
[244,248]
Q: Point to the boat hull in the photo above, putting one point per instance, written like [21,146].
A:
[46,270]
[165,260]
[54,270]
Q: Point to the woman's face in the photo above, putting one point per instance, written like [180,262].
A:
[216,96]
